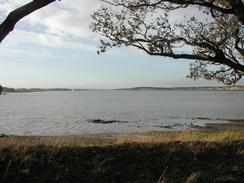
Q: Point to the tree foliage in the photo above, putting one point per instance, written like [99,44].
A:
[215,42]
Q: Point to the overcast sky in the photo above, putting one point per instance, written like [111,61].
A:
[54,47]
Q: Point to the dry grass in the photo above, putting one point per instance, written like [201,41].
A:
[173,156]
[56,142]
[184,136]
[140,138]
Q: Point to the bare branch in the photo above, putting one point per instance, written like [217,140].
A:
[235,7]
[143,24]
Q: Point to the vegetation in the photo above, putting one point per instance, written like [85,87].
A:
[203,88]
[215,44]
[146,158]
[144,24]
[6,89]
[151,157]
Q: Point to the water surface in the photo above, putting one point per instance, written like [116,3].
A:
[68,113]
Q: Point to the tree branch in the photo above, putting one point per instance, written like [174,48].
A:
[9,23]
[140,24]
[236,7]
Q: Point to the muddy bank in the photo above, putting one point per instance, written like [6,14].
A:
[230,125]
[219,125]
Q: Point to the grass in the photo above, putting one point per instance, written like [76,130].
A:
[139,138]
[188,156]
[184,136]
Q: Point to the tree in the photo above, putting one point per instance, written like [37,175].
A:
[216,45]
[9,23]
[1,89]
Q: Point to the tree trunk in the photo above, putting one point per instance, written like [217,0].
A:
[8,24]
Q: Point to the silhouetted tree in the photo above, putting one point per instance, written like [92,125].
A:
[216,45]
[1,89]
[8,24]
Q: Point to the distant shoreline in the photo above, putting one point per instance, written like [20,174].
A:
[29,90]
[202,88]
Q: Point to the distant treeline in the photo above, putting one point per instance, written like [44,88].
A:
[204,88]
[6,89]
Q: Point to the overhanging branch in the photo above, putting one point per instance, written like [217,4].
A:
[235,7]
[9,23]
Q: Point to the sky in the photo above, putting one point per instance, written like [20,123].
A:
[55,48]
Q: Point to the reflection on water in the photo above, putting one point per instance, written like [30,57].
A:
[68,113]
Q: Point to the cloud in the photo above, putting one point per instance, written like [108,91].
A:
[9,5]
[60,24]
[42,40]
[66,18]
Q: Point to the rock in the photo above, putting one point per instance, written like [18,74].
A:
[3,135]
[177,124]
[100,121]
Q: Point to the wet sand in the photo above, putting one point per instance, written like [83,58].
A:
[231,125]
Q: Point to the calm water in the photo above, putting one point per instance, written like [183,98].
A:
[68,113]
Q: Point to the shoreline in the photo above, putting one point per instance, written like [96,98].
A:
[162,157]
[229,125]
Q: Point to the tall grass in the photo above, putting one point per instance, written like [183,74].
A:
[184,136]
[55,141]
[142,138]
